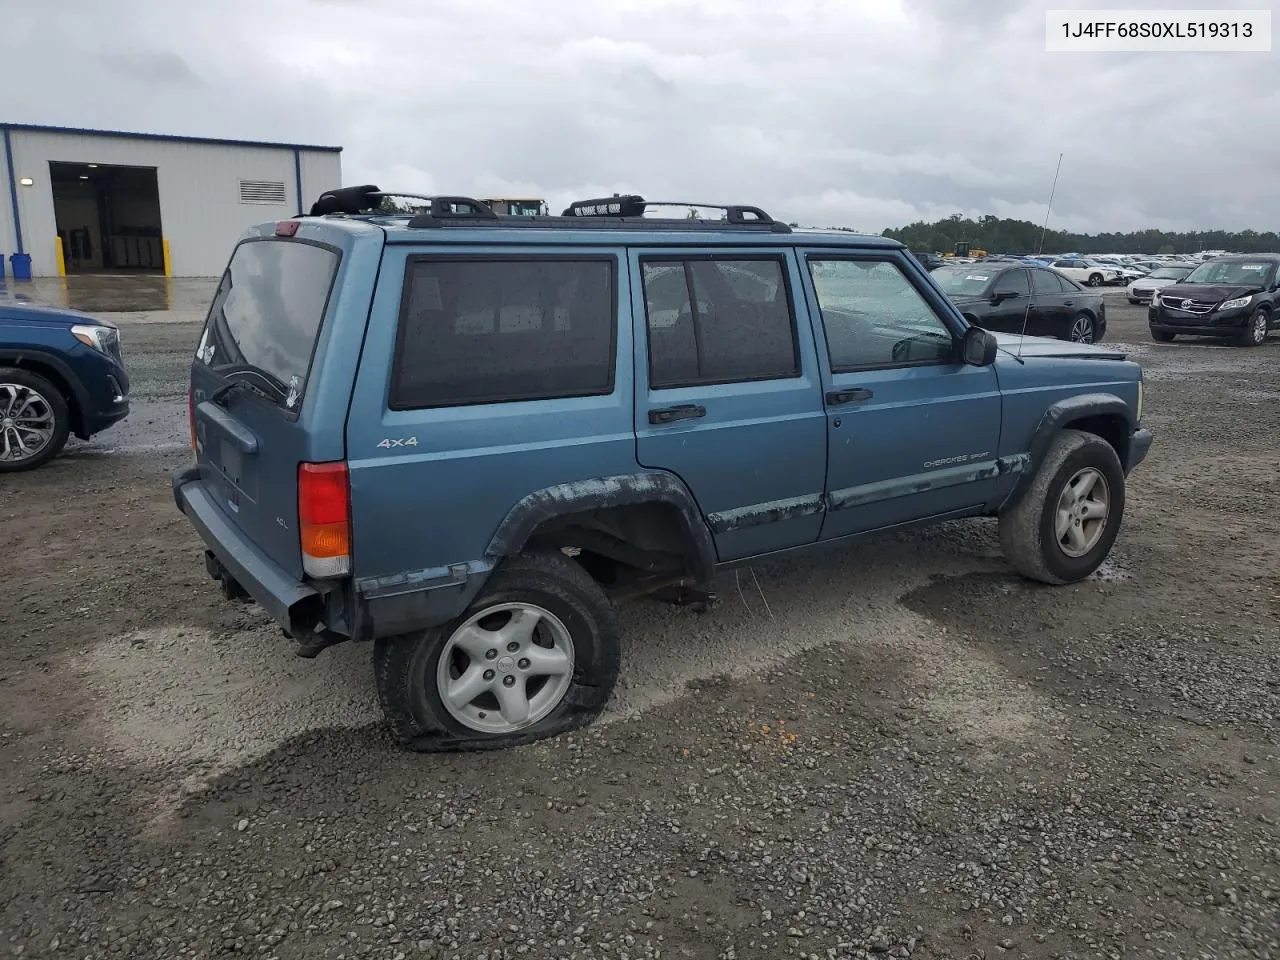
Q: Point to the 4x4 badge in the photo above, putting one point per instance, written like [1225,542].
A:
[399,442]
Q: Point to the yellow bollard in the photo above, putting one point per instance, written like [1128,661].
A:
[164,244]
[62,260]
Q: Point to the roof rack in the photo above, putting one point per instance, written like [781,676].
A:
[606,213]
[352,201]
[634,205]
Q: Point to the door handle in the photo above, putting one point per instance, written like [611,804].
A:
[1067,303]
[684,411]
[848,396]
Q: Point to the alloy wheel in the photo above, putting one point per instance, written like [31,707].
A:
[26,422]
[505,668]
[1083,508]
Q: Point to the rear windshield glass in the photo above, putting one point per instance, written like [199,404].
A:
[266,315]
[480,331]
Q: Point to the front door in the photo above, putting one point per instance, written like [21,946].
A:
[913,432]
[1013,308]
[727,392]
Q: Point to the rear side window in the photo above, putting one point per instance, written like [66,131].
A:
[266,315]
[498,330]
[1045,282]
[718,321]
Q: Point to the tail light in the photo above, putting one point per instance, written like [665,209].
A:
[191,414]
[324,519]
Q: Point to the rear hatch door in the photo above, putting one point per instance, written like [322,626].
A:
[248,381]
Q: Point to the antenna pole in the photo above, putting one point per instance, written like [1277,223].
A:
[1052,191]
[1027,315]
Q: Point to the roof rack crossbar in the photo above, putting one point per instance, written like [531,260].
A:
[352,201]
[633,205]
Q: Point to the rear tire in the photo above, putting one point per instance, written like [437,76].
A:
[1083,329]
[1095,279]
[575,631]
[1052,535]
[31,408]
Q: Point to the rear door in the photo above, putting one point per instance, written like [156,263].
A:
[249,379]
[1050,295]
[727,393]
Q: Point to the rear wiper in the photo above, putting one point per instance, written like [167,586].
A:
[221,393]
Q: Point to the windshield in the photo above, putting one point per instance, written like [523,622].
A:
[1241,273]
[962,281]
[1169,273]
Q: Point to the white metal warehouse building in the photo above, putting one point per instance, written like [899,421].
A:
[105,201]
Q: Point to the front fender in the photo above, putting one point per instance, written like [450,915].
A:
[1063,414]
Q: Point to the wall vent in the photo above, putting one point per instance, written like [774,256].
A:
[262,191]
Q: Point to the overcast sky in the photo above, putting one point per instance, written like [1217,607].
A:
[830,112]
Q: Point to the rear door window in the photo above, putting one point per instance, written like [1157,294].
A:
[499,330]
[266,314]
[722,320]
[1046,283]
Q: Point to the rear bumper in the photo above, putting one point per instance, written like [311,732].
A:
[367,612]
[291,604]
[1139,447]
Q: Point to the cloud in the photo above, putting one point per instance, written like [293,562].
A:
[863,113]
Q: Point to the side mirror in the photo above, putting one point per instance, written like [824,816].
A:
[1000,296]
[978,349]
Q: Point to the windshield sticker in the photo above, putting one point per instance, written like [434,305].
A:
[977,276]
[1256,267]
[292,399]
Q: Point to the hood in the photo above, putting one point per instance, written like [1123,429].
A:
[11,309]
[1152,283]
[1209,292]
[1050,347]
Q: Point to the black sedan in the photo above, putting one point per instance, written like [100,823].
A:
[1012,297]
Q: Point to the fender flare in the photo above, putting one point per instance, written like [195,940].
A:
[16,355]
[1061,415]
[602,493]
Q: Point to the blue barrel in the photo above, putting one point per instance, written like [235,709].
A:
[21,266]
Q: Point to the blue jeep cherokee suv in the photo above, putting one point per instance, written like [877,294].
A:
[462,436]
[60,374]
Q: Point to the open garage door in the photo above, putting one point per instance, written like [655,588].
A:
[108,217]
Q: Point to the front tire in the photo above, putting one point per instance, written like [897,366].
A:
[1095,279]
[1162,336]
[536,654]
[1066,522]
[1254,332]
[34,420]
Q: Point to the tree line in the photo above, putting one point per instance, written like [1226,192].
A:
[1020,236]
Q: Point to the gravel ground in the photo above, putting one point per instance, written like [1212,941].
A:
[895,749]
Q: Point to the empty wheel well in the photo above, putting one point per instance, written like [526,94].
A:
[615,544]
[59,381]
[1111,427]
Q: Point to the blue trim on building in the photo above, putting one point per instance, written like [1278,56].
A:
[13,194]
[172,138]
[297,176]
